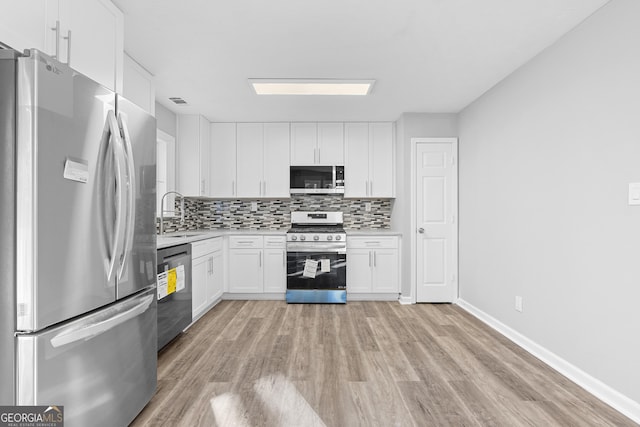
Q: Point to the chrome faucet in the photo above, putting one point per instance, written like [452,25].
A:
[163,210]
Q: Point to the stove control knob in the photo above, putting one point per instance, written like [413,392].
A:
[294,237]
[329,237]
[303,238]
[316,238]
[338,237]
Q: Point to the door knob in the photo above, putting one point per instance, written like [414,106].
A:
[421,230]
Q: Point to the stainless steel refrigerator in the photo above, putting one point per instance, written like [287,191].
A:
[78,239]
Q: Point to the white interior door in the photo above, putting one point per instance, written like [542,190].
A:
[436,224]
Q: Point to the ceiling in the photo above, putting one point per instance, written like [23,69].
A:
[426,55]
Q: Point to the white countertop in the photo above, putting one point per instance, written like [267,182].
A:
[181,237]
[374,232]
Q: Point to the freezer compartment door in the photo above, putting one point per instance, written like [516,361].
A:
[101,367]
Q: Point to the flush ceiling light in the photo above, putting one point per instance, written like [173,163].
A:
[311,86]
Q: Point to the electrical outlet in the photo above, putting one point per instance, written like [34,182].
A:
[254,206]
[519,303]
[367,206]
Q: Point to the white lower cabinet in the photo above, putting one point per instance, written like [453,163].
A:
[206,274]
[373,264]
[275,264]
[257,264]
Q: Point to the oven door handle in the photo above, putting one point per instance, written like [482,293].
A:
[334,249]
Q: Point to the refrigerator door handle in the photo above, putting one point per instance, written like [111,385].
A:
[130,188]
[106,166]
[121,182]
[100,325]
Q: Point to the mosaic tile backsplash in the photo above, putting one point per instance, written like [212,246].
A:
[275,214]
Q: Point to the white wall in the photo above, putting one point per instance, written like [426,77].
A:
[545,161]
[412,125]
[166,120]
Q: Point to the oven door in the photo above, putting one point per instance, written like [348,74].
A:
[316,270]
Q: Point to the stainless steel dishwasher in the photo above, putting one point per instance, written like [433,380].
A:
[174,292]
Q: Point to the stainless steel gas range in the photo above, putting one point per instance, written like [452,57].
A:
[316,258]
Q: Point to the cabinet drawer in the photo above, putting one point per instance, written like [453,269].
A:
[366,242]
[204,247]
[275,242]
[239,242]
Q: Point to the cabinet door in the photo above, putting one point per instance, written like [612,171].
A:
[385,271]
[276,160]
[304,138]
[205,148]
[222,160]
[188,150]
[356,169]
[330,144]
[27,24]
[250,156]
[359,264]
[96,46]
[138,86]
[275,270]
[245,270]
[200,269]
[216,280]
[382,160]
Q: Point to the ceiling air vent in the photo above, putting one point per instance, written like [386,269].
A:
[178,101]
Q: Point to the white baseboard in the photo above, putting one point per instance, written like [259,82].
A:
[372,297]
[608,395]
[254,297]
[405,300]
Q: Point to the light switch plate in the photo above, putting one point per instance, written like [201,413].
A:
[634,193]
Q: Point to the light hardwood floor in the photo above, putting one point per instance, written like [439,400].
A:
[266,363]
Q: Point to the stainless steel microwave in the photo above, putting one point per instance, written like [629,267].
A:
[317,179]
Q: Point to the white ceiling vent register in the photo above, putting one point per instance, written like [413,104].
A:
[178,101]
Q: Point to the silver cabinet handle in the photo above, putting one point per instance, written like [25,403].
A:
[260,259]
[68,39]
[371,188]
[265,189]
[421,230]
[233,188]
[56,29]
[374,259]
[369,259]
[319,161]
[284,258]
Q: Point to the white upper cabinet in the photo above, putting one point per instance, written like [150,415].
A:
[263,159]
[138,86]
[276,160]
[27,24]
[250,159]
[304,144]
[87,34]
[369,160]
[331,144]
[222,160]
[92,42]
[193,155]
[317,144]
